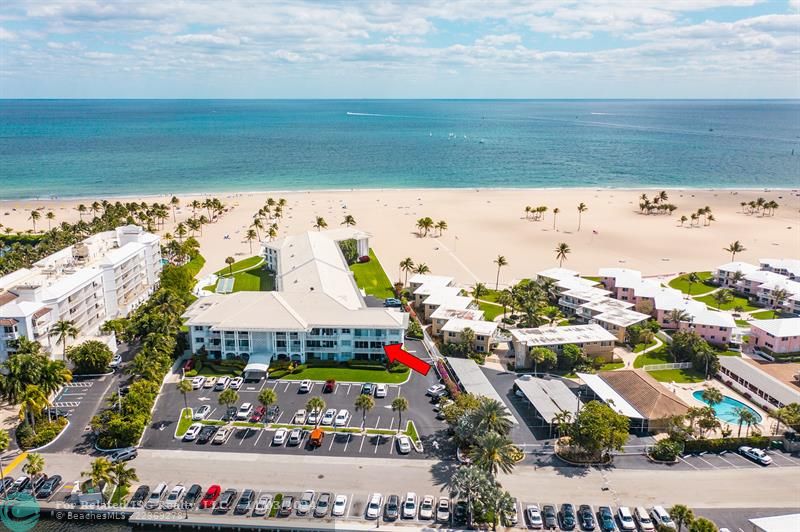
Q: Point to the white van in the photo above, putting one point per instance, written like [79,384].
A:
[222,383]
[643,519]
[154,500]
[661,517]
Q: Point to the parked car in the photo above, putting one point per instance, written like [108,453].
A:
[625,517]
[222,383]
[566,517]
[19,484]
[235,383]
[403,444]
[245,503]
[201,413]
[435,389]
[661,517]
[272,414]
[286,506]
[207,433]
[230,414]
[513,517]
[263,505]
[374,506]
[327,418]
[367,388]
[300,416]
[549,515]
[756,455]
[643,519]
[280,436]
[323,505]
[409,506]
[329,387]
[460,513]
[210,382]
[605,519]
[188,365]
[116,360]
[222,435]
[339,506]
[154,499]
[304,504]
[244,411]
[225,501]
[426,507]
[48,487]
[534,516]
[342,417]
[439,396]
[198,382]
[139,497]
[192,432]
[305,386]
[443,510]
[34,484]
[295,437]
[192,494]
[210,497]
[586,517]
[172,499]
[123,455]
[392,302]
[258,413]
[313,415]
[381,390]
[316,437]
[392,509]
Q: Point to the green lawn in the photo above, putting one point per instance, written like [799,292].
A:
[610,366]
[682,283]
[120,494]
[371,277]
[244,264]
[677,375]
[348,375]
[184,422]
[592,278]
[659,356]
[729,353]
[638,348]
[765,315]
[490,310]
[248,276]
[737,301]
[742,323]
[411,430]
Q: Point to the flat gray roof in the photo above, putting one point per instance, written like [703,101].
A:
[473,380]
[760,379]
[549,396]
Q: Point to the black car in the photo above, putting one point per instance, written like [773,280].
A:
[392,509]
[460,514]
[139,496]
[225,501]
[6,484]
[19,484]
[245,502]
[272,414]
[190,499]
[49,487]
[230,414]
[33,486]
[206,433]
[549,517]
[586,517]
[566,517]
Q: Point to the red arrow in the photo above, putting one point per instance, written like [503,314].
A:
[395,352]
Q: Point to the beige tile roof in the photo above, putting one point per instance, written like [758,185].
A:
[644,393]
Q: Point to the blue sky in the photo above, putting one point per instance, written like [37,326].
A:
[400,49]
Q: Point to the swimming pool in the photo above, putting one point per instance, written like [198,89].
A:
[727,410]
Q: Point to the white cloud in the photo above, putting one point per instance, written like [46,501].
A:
[6,35]
[499,40]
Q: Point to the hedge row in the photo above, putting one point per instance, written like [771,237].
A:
[45,432]
[725,444]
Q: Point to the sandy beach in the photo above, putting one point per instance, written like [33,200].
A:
[485,223]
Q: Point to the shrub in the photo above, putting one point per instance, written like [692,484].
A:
[46,431]
[299,368]
[414,330]
[191,373]
[90,357]
[277,374]
[725,444]
[363,258]
[666,450]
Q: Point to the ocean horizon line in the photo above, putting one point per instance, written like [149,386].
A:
[421,99]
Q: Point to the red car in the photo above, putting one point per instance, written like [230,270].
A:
[188,365]
[210,497]
[258,414]
[330,384]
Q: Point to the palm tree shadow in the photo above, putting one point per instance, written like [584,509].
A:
[442,473]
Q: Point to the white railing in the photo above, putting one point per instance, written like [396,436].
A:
[673,365]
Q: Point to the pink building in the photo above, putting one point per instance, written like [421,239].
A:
[778,337]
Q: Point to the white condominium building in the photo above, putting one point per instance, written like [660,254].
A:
[103,277]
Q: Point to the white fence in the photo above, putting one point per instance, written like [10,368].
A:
[673,365]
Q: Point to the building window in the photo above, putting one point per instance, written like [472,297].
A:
[198,327]
[345,331]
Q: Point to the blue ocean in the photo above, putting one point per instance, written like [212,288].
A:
[90,148]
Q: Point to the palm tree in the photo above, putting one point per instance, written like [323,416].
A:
[722,297]
[421,268]
[364,403]
[34,465]
[441,225]
[701,524]
[677,315]
[50,217]
[778,297]
[316,404]
[744,415]
[506,299]
[478,291]
[123,476]
[424,225]
[468,483]
[174,202]
[528,210]
[553,314]
[561,253]
[582,208]
[406,265]
[228,397]
[31,403]
[185,386]
[556,210]
[250,236]
[500,261]
[320,223]
[35,215]
[81,210]
[682,515]
[692,278]
[230,261]
[494,453]
[683,219]
[64,330]
[258,225]
[712,396]
[5,440]
[734,248]
[267,397]
[399,405]
[491,415]
[348,221]
[100,471]
[563,419]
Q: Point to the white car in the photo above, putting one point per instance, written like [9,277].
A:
[192,432]
[244,412]
[300,416]
[339,506]
[327,418]
[374,506]
[263,505]
[305,386]
[625,518]
[304,504]
[409,506]
[280,437]
[443,510]
[295,437]
[661,517]
[198,382]
[341,418]
[756,455]
[201,413]
[436,388]
[643,519]
[171,502]
[116,360]
[210,382]
[236,383]
[222,435]
[426,507]
[312,417]
[403,444]
[222,383]
[534,516]
[381,390]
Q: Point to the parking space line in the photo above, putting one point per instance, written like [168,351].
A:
[784,457]
[362,443]
[391,424]
[336,389]
[280,414]
[287,388]
[262,385]
[377,442]
[347,442]
[212,412]
[246,434]
[260,433]
[348,388]
[378,422]
[349,504]
[331,445]
[706,461]
[682,459]
[391,446]
[721,457]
